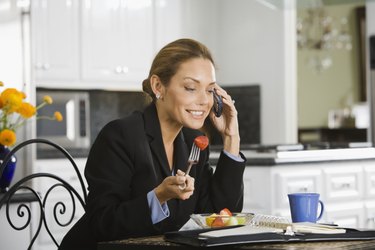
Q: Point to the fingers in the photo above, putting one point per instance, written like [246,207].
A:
[227,99]
[185,181]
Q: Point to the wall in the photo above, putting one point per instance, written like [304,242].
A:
[334,88]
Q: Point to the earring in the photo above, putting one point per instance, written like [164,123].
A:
[158,96]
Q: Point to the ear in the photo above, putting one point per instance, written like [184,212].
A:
[156,86]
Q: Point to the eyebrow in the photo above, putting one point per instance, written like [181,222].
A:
[195,80]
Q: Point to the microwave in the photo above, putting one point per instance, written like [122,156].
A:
[73,132]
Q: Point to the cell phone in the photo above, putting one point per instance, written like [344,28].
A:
[218,104]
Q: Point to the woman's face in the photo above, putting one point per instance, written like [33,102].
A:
[188,98]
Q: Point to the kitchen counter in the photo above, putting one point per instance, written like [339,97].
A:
[272,157]
[19,198]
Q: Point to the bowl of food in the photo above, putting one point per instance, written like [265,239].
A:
[222,219]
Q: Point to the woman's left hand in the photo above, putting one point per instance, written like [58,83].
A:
[227,123]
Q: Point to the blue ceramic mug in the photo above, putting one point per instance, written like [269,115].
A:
[304,207]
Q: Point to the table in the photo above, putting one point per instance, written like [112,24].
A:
[158,242]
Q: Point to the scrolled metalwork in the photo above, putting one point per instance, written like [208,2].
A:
[59,208]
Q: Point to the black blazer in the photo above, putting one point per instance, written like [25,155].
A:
[128,160]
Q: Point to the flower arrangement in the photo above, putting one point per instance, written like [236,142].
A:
[14,112]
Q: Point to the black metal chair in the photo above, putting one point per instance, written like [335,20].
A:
[25,184]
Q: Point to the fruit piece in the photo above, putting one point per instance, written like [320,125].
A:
[225,212]
[210,219]
[241,220]
[201,142]
[232,221]
[218,222]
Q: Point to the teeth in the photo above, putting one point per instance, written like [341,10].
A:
[196,112]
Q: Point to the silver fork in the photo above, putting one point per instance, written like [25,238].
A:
[193,159]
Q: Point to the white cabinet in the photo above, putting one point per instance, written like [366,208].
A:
[345,187]
[63,169]
[169,16]
[100,44]
[55,31]
[117,41]
[343,182]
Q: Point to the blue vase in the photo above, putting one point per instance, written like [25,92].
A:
[8,172]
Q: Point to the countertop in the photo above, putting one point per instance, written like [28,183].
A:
[20,197]
[273,157]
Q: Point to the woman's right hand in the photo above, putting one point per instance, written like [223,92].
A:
[169,188]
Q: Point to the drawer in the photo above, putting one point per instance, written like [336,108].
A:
[343,183]
[345,215]
[305,181]
[369,182]
[369,221]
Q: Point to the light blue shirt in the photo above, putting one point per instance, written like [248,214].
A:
[159,211]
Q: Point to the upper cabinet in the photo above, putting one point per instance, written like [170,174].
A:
[99,44]
[117,41]
[55,30]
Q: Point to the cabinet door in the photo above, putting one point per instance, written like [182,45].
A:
[344,182]
[288,180]
[369,220]
[54,30]
[369,172]
[345,214]
[168,16]
[117,41]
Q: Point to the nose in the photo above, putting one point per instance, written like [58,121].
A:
[204,98]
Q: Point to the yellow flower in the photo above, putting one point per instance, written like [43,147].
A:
[47,99]
[58,116]
[14,112]
[12,99]
[7,137]
[26,110]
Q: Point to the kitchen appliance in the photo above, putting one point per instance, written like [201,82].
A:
[73,132]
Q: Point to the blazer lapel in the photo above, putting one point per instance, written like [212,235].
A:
[152,127]
[181,153]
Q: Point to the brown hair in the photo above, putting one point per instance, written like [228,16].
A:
[169,59]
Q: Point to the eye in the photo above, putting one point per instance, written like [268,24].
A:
[189,89]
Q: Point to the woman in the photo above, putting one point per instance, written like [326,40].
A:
[136,164]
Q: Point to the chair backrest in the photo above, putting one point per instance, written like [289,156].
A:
[42,197]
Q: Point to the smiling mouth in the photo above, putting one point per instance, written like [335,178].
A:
[196,113]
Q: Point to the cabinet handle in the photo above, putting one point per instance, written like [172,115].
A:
[46,66]
[371,220]
[303,189]
[118,69]
[345,185]
[121,69]
[125,70]
[38,65]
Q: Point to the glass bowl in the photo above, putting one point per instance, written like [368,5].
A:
[216,220]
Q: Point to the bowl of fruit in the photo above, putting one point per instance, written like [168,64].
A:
[224,218]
